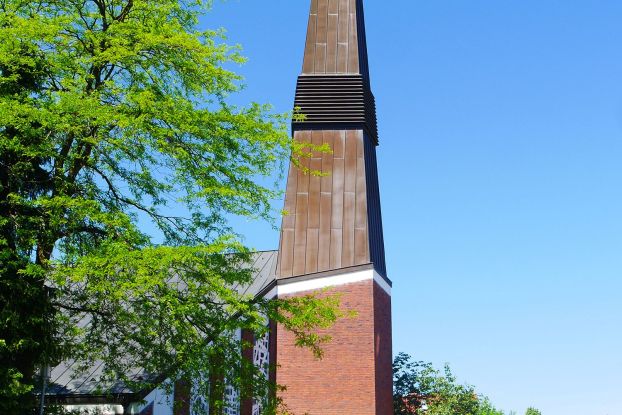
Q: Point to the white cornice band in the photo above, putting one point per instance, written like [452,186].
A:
[285,288]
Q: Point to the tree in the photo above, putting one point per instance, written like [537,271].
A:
[120,162]
[420,389]
[486,408]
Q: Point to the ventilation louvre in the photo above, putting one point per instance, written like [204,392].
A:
[335,101]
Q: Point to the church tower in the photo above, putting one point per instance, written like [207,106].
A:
[332,237]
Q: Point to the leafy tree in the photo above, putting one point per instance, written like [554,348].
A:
[532,411]
[120,162]
[486,408]
[420,389]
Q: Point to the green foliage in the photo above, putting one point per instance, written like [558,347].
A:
[113,120]
[532,411]
[420,389]
[486,408]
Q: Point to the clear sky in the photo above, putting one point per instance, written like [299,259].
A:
[501,182]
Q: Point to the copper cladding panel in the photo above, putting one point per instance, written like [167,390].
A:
[349,198]
[326,195]
[286,248]
[321,34]
[353,46]
[308,64]
[332,38]
[313,222]
[329,229]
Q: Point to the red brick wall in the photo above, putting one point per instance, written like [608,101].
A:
[345,381]
[181,398]
[384,353]
[148,410]
[246,406]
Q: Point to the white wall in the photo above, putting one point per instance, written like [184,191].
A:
[96,409]
[162,403]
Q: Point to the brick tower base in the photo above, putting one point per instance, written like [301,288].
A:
[355,375]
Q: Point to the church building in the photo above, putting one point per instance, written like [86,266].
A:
[331,240]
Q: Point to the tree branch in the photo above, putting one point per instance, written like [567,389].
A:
[78,309]
[126,10]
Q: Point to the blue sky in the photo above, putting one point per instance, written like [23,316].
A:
[501,182]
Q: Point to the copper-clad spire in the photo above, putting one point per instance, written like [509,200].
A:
[334,222]
[335,39]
